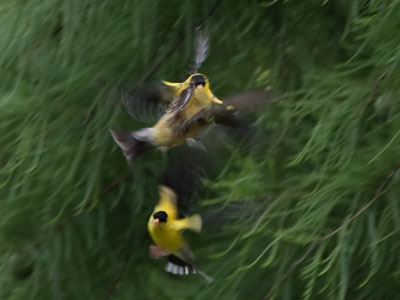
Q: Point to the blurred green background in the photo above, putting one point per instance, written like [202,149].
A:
[326,187]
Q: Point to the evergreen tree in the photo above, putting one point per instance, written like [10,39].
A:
[325,187]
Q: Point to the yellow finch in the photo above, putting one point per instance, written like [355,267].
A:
[166,228]
[192,107]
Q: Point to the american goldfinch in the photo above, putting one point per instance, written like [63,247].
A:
[165,228]
[192,108]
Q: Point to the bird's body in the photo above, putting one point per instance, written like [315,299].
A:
[167,133]
[166,238]
[165,234]
[192,106]
[165,228]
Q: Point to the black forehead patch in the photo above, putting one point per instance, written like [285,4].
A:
[198,79]
[161,215]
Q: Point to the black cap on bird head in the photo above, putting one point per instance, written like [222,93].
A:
[161,215]
[198,80]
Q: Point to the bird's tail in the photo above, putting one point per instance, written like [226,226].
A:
[208,278]
[178,266]
[131,143]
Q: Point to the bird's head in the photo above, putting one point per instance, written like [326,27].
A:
[159,217]
[199,81]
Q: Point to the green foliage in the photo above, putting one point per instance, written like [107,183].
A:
[321,219]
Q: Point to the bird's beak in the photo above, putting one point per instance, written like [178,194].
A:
[199,86]
[156,221]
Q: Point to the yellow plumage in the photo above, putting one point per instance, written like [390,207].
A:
[192,106]
[168,235]
[166,130]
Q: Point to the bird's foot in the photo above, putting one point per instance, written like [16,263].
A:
[156,252]
[191,142]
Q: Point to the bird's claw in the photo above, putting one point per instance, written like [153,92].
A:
[156,252]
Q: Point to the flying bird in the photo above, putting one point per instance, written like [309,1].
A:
[188,107]
[170,218]
[192,107]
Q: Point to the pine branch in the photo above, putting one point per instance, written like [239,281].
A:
[378,193]
[118,276]
[382,188]
[106,190]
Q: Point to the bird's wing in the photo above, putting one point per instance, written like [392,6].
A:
[218,112]
[235,127]
[181,101]
[251,101]
[149,102]
[167,201]
[193,223]
[226,115]
[183,175]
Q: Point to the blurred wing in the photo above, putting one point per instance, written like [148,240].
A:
[192,223]
[181,101]
[227,116]
[167,201]
[183,175]
[242,211]
[220,113]
[147,103]
[201,49]
[235,127]
[250,100]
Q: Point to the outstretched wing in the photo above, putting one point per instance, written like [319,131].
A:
[184,175]
[235,127]
[193,223]
[219,113]
[167,201]
[251,101]
[147,103]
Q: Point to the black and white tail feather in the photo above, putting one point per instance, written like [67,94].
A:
[201,49]
[177,266]
[132,143]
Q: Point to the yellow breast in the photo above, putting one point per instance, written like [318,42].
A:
[165,236]
[165,130]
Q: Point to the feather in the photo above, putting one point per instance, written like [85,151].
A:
[193,223]
[251,101]
[184,174]
[181,101]
[146,103]
[184,268]
[183,261]
[201,49]
[131,146]
[167,202]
